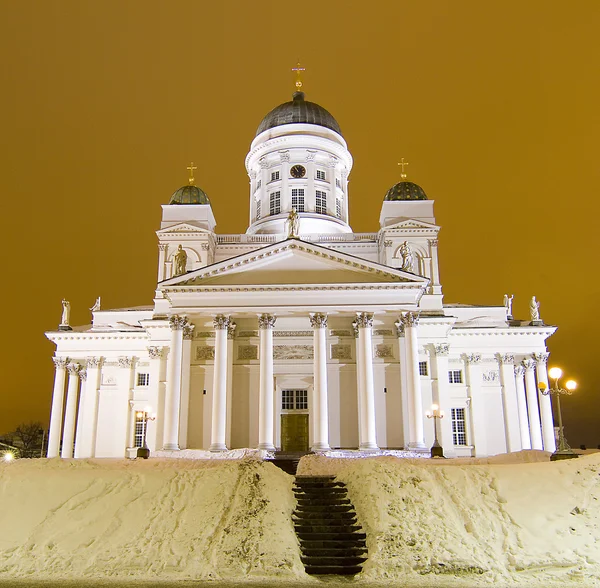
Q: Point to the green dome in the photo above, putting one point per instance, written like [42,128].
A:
[405,191]
[189,195]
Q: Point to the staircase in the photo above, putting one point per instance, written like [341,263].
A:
[331,540]
[288,461]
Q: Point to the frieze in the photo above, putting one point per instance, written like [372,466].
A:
[292,333]
[293,352]
[247,334]
[341,351]
[247,352]
[382,351]
[205,352]
[383,332]
[109,380]
[491,376]
[340,333]
[204,334]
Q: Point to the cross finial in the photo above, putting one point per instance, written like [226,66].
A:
[403,163]
[191,167]
[298,69]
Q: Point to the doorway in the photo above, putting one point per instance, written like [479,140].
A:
[294,432]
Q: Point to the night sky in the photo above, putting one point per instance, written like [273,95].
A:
[103,105]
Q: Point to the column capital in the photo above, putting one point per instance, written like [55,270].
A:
[355,328]
[441,348]
[60,363]
[318,320]
[94,362]
[519,371]
[399,328]
[409,319]
[221,322]
[505,358]
[231,329]
[266,321]
[83,374]
[156,352]
[163,246]
[528,364]
[177,322]
[364,320]
[188,331]
[125,361]
[73,369]
[472,358]
[541,358]
[433,242]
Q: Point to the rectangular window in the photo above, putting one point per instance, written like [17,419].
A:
[298,199]
[301,399]
[275,203]
[294,399]
[274,176]
[287,399]
[320,202]
[140,425]
[320,175]
[423,368]
[338,183]
[455,376]
[143,379]
[258,207]
[338,207]
[459,428]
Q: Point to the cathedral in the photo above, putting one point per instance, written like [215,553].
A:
[300,334]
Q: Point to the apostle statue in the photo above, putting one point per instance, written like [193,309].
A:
[179,262]
[407,257]
[293,222]
[508,301]
[66,311]
[96,305]
[534,309]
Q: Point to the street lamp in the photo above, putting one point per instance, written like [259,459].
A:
[563,451]
[144,416]
[435,413]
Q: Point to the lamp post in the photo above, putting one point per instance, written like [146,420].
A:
[435,413]
[144,416]
[563,451]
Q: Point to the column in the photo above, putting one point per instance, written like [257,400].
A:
[266,322]
[541,360]
[56,414]
[155,429]
[406,399]
[162,257]
[435,268]
[70,411]
[88,405]
[477,408]
[124,427]
[368,438]
[522,407]
[359,380]
[173,397]
[186,357]
[230,342]
[535,426]
[506,363]
[441,395]
[219,399]
[415,405]
[319,412]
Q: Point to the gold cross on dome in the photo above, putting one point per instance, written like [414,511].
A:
[403,163]
[298,69]
[191,167]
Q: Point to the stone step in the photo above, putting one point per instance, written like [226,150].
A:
[329,544]
[339,552]
[321,484]
[324,515]
[325,491]
[289,466]
[341,528]
[333,524]
[314,478]
[330,570]
[333,561]
[321,508]
[325,501]
[329,536]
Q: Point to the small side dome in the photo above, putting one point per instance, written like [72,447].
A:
[405,191]
[189,195]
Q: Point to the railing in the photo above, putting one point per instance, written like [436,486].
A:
[315,238]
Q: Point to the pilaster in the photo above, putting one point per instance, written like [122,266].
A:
[477,408]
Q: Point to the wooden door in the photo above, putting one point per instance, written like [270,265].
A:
[294,432]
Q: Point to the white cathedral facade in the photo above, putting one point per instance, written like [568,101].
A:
[299,334]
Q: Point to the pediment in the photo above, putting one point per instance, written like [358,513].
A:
[294,262]
[182,229]
[410,224]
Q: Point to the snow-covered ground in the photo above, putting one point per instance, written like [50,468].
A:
[428,522]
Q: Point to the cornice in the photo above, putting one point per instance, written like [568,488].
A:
[62,336]
[294,288]
[491,332]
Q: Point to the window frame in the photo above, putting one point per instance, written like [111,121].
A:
[275,203]
[320,202]
[458,421]
[300,202]
[452,375]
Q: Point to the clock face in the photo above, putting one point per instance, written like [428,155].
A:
[298,171]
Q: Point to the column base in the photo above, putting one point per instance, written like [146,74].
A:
[266,447]
[216,447]
[170,447]
[320,447]
[368,447]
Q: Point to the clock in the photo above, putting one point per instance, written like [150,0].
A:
[298,171]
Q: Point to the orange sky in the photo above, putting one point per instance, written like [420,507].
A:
[103,105]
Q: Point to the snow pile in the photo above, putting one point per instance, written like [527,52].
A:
[167,519]
[440,521]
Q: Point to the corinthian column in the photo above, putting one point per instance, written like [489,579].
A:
[535,426]
[506,363]
[70,411]
[320,416]
[173,399]
[88,403]
[266,322]
[368,433]
[474,383]
[186,361]
[541,360]
[522,407]
[56,415]
[219,401]
[415,403]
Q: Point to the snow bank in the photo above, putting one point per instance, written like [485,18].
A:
[448,523]
[167,519]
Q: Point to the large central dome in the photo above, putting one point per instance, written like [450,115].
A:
[298,111]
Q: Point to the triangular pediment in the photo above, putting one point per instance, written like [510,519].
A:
[410,224]
[182,229]
[294,262]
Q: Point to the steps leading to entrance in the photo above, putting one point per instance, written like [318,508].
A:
[288,461]
[330,537]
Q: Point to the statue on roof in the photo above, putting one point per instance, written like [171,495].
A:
[293,223]
[407,257]
[180,261]
[534,309]
[508,300]
[66,312]
[96,305]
